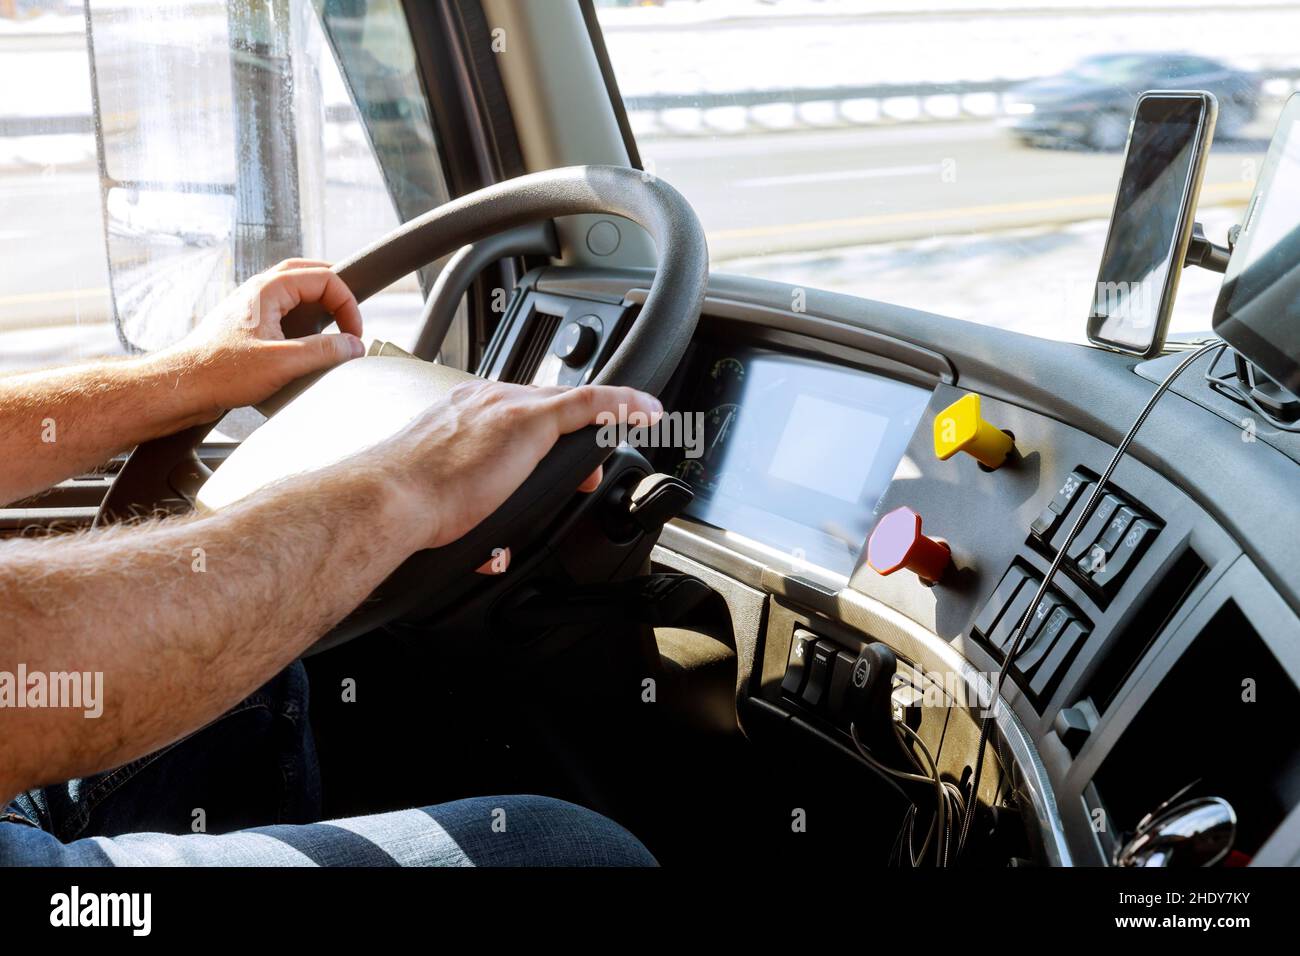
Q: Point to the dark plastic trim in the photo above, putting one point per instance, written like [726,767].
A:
[463,268]
[611,82]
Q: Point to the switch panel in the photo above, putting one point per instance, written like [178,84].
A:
[1002,595]
[1056,630]
[1110,542]
[825,678]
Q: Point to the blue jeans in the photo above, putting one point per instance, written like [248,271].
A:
[250,783]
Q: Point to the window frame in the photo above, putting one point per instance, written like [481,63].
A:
[474,126]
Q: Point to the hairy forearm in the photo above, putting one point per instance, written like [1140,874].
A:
[184,618]
[58,423]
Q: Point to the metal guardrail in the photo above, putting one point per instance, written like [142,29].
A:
[837,96]
[658,103]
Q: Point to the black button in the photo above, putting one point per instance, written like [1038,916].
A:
[796,668]
[1095,526]
[841,676]
[1050,602]
[1076,486]
[1068,491]
[1010,619]
[1072,727]
[1044,639]
[1116,529]
[1130,547]
[1092,561]
[1073,635]
[819,674]
[1003,593]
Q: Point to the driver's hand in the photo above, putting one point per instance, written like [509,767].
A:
[463,458]
[238,354]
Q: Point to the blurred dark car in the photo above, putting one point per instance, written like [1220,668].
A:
[1091,103]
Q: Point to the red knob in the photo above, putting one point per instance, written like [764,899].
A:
[897,543]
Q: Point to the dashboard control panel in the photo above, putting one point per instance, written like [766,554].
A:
[553,340]
[1177,588]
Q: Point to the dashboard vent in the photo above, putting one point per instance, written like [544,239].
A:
[537,340]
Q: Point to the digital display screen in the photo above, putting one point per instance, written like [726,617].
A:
[795,453]
[799,457]
[1138,273]
[1258,311]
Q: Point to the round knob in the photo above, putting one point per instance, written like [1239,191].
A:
[897,542]
[575,344]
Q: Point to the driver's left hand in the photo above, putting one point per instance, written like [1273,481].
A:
[238,355]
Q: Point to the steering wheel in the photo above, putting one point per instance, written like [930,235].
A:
[357,404]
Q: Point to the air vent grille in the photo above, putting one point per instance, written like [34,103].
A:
[538,338]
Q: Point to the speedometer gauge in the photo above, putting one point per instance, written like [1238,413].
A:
[718,425]
[690,470]
[725,373]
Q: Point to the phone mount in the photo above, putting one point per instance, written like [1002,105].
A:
[1209,255]
[1244,384]
[1249,386]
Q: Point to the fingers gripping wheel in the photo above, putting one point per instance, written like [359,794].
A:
[360,403]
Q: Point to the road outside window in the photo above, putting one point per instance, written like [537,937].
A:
[950,155]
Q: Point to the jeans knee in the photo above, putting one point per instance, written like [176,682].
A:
[538,831]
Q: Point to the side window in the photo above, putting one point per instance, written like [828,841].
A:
[154,155]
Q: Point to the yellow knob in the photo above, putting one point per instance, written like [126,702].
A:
[959,427]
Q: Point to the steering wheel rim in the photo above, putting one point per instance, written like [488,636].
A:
[645,359]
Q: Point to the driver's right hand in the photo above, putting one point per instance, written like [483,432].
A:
[463,457]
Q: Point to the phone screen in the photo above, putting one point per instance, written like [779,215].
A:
[1151,222]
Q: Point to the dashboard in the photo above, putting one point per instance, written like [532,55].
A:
[1168,643]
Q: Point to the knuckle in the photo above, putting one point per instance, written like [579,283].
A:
[584,397]
[505,415]
[325,349]
[465,392]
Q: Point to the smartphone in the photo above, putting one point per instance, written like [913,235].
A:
[1151,224]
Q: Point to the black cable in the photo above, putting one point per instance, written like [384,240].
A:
[1227,384]
[1022,628]
[940,796]
[887,772]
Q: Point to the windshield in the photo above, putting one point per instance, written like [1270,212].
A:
[951,156]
